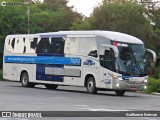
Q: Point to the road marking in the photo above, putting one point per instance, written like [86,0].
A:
[59,97]
[81,105]
[85,107]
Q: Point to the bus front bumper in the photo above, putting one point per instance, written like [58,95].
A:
[125,85]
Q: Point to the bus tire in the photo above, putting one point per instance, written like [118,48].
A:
[51,86]
[120,92]
[25,80]
[91,86]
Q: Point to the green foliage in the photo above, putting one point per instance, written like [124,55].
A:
[1,75]
[49,16]
[157,72]
[13,19]
[155,17]
[126,17]
[80,24]
[54,16]
[156,39]
[153,85]
[2,37]
[154,72]
[154,80]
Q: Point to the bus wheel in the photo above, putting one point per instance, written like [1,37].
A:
[120,92]
[25,80]
[91,86]
[51,87]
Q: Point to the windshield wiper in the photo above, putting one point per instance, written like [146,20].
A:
[136,64]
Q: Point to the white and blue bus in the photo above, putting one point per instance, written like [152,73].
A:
[97,60]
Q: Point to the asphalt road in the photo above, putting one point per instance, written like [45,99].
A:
[13,97]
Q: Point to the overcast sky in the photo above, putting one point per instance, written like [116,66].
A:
[84,6]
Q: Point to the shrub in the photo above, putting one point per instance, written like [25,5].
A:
[1,75]
[153,85]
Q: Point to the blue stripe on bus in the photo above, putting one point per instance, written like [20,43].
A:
[43,60]
[40,73]
[40,69]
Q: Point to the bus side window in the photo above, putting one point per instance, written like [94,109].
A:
[34,43]
[101,60]
[107,60]
[57,46]
[9,42]
[43,46]
[13,43]
[10,45]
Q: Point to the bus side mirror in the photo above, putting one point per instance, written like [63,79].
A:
[93,53]
[153,54]
[114,48]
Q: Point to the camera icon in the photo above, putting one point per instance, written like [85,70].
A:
[6,114]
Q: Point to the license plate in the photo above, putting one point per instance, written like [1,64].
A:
[133,88]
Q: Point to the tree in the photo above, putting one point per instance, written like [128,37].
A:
[154,15]
[122,16]
[128,18]
[44,17]
[52,15]
[81,24]
[55,15]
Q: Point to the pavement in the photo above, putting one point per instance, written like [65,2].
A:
[13,97]
[155,93]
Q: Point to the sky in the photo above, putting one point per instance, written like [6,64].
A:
[84,6]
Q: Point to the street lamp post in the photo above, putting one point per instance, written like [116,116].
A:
[28,13]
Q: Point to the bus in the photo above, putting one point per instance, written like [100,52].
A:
[97,60]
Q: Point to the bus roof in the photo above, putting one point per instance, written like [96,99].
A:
[116,36]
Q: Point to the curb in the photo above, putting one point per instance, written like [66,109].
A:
[155,93]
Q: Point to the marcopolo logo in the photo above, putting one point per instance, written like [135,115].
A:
[88,62]
[4,3]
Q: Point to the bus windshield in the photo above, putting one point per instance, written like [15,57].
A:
[132,59]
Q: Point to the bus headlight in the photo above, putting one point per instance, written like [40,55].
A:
[145,87]
[145,81]
[117,77]
[117,85]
